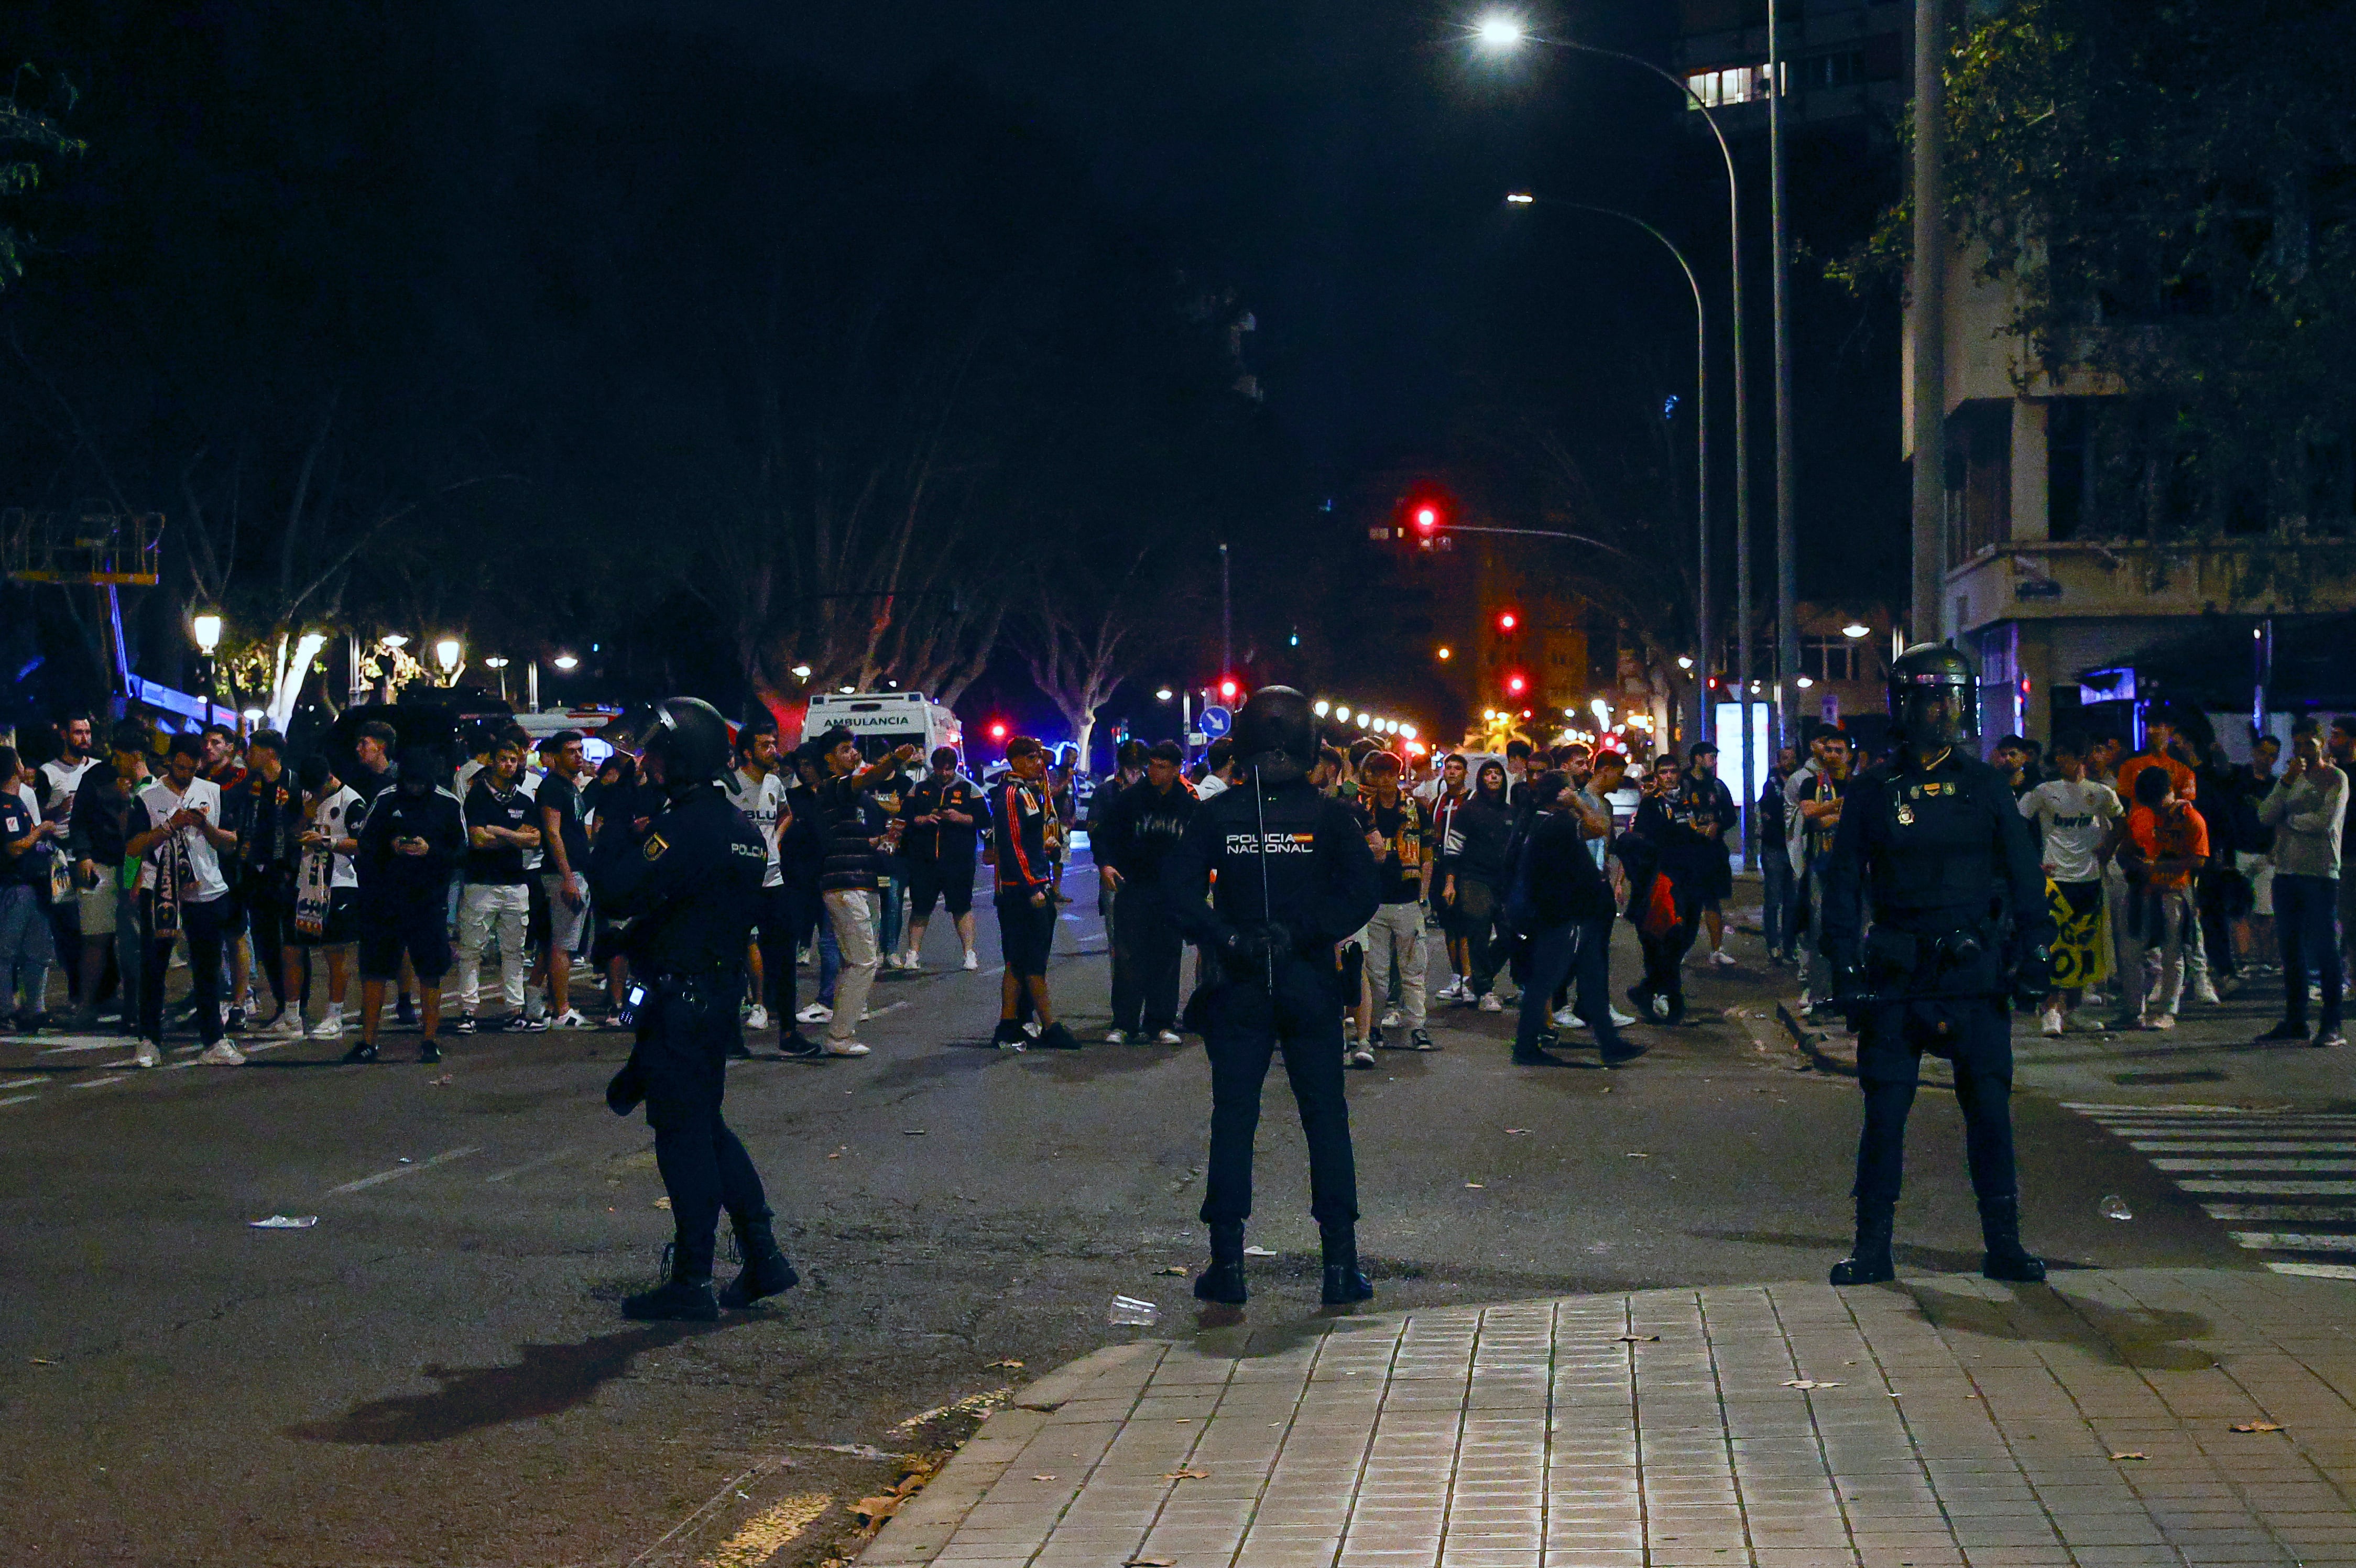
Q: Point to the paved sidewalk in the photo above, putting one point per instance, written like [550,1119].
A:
[1943,1422]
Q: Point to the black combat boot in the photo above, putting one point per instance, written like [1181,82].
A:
[1224,1279]
[1345,1280]
[2006,1258]
[686,1296]
[1868,1263]
[766,1271]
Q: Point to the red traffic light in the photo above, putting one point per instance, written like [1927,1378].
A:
[998,732]
[1516,684]
[1507,620]
[1427,517]
[1227,691]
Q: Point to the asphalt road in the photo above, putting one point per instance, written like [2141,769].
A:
[437,1373]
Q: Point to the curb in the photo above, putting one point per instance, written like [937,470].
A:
[916,1534]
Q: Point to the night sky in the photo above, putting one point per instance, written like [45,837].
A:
[1340,165]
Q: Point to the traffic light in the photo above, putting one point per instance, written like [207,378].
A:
[1227,689]
[1426,519]
[1516,684]
[1508,621]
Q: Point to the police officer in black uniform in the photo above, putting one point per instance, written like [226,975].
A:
[1294,879]
[1934,847]
[691,888]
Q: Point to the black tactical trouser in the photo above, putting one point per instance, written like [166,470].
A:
[1248,1024]
[1891,1038]
[1146,949]
[684,1037]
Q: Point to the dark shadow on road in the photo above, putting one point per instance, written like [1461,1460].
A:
[2137,1337]
[1926,1260]
[549,1380]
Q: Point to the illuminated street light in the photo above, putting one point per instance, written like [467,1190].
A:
[394,640]
[801,671]
[252,715]
[565,661]
[1602,711]
[446,653]
[495,663]
[1856,629]
[1684,662]
[1447,653]
[1406,732]
[1500,31]
[1805,682]
[1519,199]
[1165,694]
[207,628]
[1322,707]
[1342,714]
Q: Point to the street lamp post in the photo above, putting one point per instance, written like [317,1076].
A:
[207,629]
[1503,32]
[451,655]
[1701,460]
[1787,566]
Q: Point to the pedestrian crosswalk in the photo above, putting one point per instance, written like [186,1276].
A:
[2264,1169]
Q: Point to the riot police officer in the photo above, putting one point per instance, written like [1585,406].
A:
[1931,845]
[690,887]
[1294,878]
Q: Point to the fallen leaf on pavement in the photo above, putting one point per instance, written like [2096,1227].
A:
[43,1361]
[438,1082]
[2130,1455]
[1639,1338]
[881,1508]
[662,1203]
[1187,1475]
[2257,1426]
[1517,1131]
[1637,1156]
[1148,1562]
[1474,1184]
[835,1157]
[1259,1252]
[1178,1269]
[1016,1365]
[1043,1477]
[1804,1384]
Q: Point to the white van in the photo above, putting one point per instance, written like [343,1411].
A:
[883,721]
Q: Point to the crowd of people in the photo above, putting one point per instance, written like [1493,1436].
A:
[2176,874]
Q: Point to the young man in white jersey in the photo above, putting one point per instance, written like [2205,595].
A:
[2079,822]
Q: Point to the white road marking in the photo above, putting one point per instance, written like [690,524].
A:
[2315,1271]
[23,1082]
[2295,1241]
[2280,1211]
[2173,1146]
[2276,1189]
[399,1171]
[87,1043]
[547,1159]
[98,1082]
[18,1099]
[2281,1166]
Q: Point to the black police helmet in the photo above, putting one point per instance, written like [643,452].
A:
[1276,736]
[1934,694]
[692,738]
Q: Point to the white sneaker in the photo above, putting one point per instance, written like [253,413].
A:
[1507,995]
[2050,1025]
[972,958]
[912,962]
[1720,956]
[895,961]
[329,1028]
[1564,1018]
[1390,1020]
[758,1018]
[1489,1003]
[1115,1037]
[569,1019]
[2160,1021]
[146,1055]
[223,1055]
[1169,1038]
[845,1048]
[816,1013]
[2207,993]
[289,1026]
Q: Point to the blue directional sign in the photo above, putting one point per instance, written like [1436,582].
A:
[1217,721]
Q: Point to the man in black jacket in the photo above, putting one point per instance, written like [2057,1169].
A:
[1294,878]
[414,841]
[852,870]
[1559,900]
[1135,833]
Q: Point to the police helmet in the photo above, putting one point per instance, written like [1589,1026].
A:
[1276,736]
[1934,695]
[691,739]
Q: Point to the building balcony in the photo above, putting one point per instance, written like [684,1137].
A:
[2035,580]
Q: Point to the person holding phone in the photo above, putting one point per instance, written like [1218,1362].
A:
[414,838]
[183,891]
